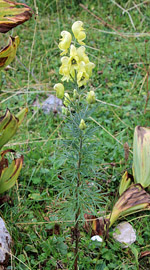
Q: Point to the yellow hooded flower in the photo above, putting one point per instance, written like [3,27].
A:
[78,32]
[65,42]
[73,62]
[65,69]
[82,55]
[89,66]
[59,88]
[73,59]
[82,75]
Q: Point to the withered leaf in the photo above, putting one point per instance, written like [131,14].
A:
[133,200]
[8,53]
[145,253]
[96,226]
[11,15]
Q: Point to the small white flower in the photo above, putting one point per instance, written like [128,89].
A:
[96,238]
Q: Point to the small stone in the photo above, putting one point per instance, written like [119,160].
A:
[125,234]
[5,243]
[52,103]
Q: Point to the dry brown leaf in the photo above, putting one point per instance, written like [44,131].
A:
[11,15]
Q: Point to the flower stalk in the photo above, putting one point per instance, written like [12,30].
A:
[76,228]
[76,68]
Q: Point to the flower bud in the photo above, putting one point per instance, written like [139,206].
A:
[82,125]
[59,88]
[91,97]
[65,111]
[67,100]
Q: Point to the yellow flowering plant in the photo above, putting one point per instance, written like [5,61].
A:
[76,69]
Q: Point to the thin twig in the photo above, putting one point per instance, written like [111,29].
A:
[124,11]
[137,5]
[102,21]
[109,104]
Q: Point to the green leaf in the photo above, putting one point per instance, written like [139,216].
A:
[9,125]
[9,173]
[141,156]
[135,253]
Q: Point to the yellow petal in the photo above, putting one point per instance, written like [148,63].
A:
[89,66]
[82,55]
[78,31]
[77,27]
[65,42]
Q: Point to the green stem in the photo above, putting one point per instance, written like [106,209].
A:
[76,228]
[1,83]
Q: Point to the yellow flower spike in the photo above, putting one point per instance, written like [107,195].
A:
[91,97]
[78,31]
[59,88]
[65,42]
[82,76]
[82,125]
[64,69]
[67,100]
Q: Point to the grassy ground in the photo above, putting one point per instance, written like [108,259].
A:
[118,44]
